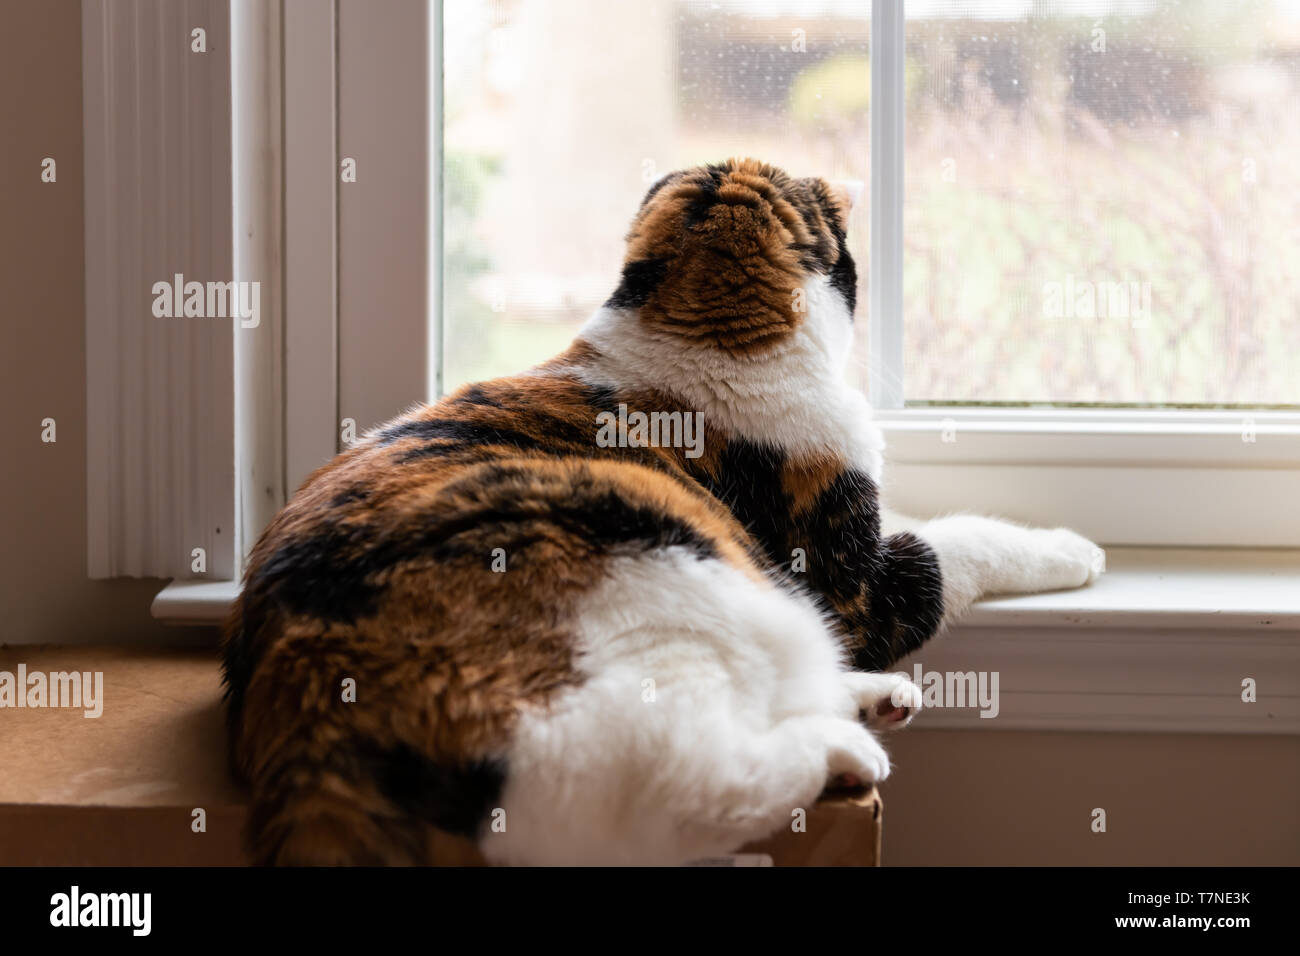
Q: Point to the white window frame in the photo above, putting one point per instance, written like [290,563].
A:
[344,266]
[311,249]
[1123,476]
[358,343]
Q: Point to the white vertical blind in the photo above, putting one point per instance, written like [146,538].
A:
[160,439]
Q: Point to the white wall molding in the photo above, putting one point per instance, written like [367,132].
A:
[1161,642]
[1121,679]
[160,421]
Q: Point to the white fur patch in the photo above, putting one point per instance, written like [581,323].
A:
[981,556]
[714,705]
[793,397]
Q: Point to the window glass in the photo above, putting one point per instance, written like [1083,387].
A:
[560,114]
[1102,202]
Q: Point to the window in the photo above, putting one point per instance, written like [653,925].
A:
[1102,202]
[1075,305]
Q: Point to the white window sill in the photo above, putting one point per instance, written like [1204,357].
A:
[195,602]
[1189,588]
[1162,642]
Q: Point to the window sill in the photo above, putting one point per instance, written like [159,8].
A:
[198,603]
[1162,642]
[1189,588]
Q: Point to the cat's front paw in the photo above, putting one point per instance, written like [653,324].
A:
[1068,560]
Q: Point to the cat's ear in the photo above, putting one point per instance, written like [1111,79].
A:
[660,183]
[846,192]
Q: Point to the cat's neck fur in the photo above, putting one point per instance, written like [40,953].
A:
[794,398]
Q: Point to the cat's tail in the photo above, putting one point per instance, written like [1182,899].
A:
[336,783]
[360,805]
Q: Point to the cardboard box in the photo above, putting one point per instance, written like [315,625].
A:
[123,788]
[843,829]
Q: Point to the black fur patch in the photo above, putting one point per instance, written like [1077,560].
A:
[350,496]
[660,184]
[331,573]
[238,659]
[841,534]
[749,484]
[909,601]
[844,277]
[602,520]
[886,594]
[475,395]
[455,430]
[467,441]
[698,211]
[458,433]
[323,574]
[638,283]
[456,800]
[602,398]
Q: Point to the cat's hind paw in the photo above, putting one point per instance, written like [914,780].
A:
[885,701]
[854,757]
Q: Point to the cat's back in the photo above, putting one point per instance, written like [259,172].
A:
[423,586]
[510,468]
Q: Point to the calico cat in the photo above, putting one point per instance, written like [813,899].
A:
[486,620]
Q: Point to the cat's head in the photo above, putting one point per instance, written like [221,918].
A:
[737,256]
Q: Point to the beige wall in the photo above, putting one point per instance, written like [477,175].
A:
[990,797]
[45,595]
